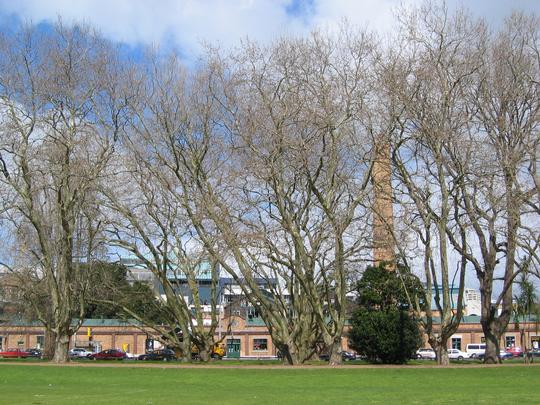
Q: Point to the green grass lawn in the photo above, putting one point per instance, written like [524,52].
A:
[34,384]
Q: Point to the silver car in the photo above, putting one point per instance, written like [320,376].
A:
[79,353]
[456,354]
[425,354]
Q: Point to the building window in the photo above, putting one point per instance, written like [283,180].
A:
[253,313]
[510,341]
[456,343]
[40,342]
[1,342]
[483,339]
[260,345]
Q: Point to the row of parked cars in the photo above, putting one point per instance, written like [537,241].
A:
[81,353]
[453,354]
[476,351]
[345,356]
[113,354]
[18,353]
[473,352]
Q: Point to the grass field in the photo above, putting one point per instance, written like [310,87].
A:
[35,384]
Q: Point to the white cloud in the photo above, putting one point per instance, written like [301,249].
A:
[181,24]
[184,24]
[375,14]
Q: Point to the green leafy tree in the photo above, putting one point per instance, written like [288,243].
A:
[526,307]
[526,300]
[383,329]
[119,298]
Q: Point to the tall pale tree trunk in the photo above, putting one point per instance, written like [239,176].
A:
[61,347]
[441,353]
[335,355]
[50,342]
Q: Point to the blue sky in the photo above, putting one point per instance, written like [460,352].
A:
[185,24]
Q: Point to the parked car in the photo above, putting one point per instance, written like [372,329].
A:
[79,353]
[37,353]
[425,353]
[111,354]
[164,355]
[504,355]
[130,356]
[14,354]
[533,353]
[456,354]
[345,356]
[515,351]
[475,349]
[348,356]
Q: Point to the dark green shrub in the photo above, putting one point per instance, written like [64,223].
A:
[383,329]
[391,336]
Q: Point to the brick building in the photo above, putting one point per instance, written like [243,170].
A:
[100,334]
[243,334]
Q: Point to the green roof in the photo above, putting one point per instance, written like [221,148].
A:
[110,322]
[255,321]
[86,323]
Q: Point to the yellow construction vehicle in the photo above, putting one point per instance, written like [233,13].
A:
[218,352]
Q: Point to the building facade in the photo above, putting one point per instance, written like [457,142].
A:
[244,335]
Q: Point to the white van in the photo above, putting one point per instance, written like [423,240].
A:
[476,349]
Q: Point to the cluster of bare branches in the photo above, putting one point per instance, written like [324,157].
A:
[59,107]
[469,115]
[259,161]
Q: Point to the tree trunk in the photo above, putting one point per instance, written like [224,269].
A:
[441,353]
[490,325]
[186,356]
[61,348]
[335,355]
[291,356]
[526,358]
[492,347]
[292,359]
[50,341]
[204,355]
[293,351]
[186,350]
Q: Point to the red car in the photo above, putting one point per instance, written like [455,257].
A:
[110,354]
[14,353]
[515,351]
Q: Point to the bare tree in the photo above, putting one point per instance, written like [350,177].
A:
[260,152]
[145,221]
[301,176]
[494,190]
[439,59]
[146,216]
[60,115]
